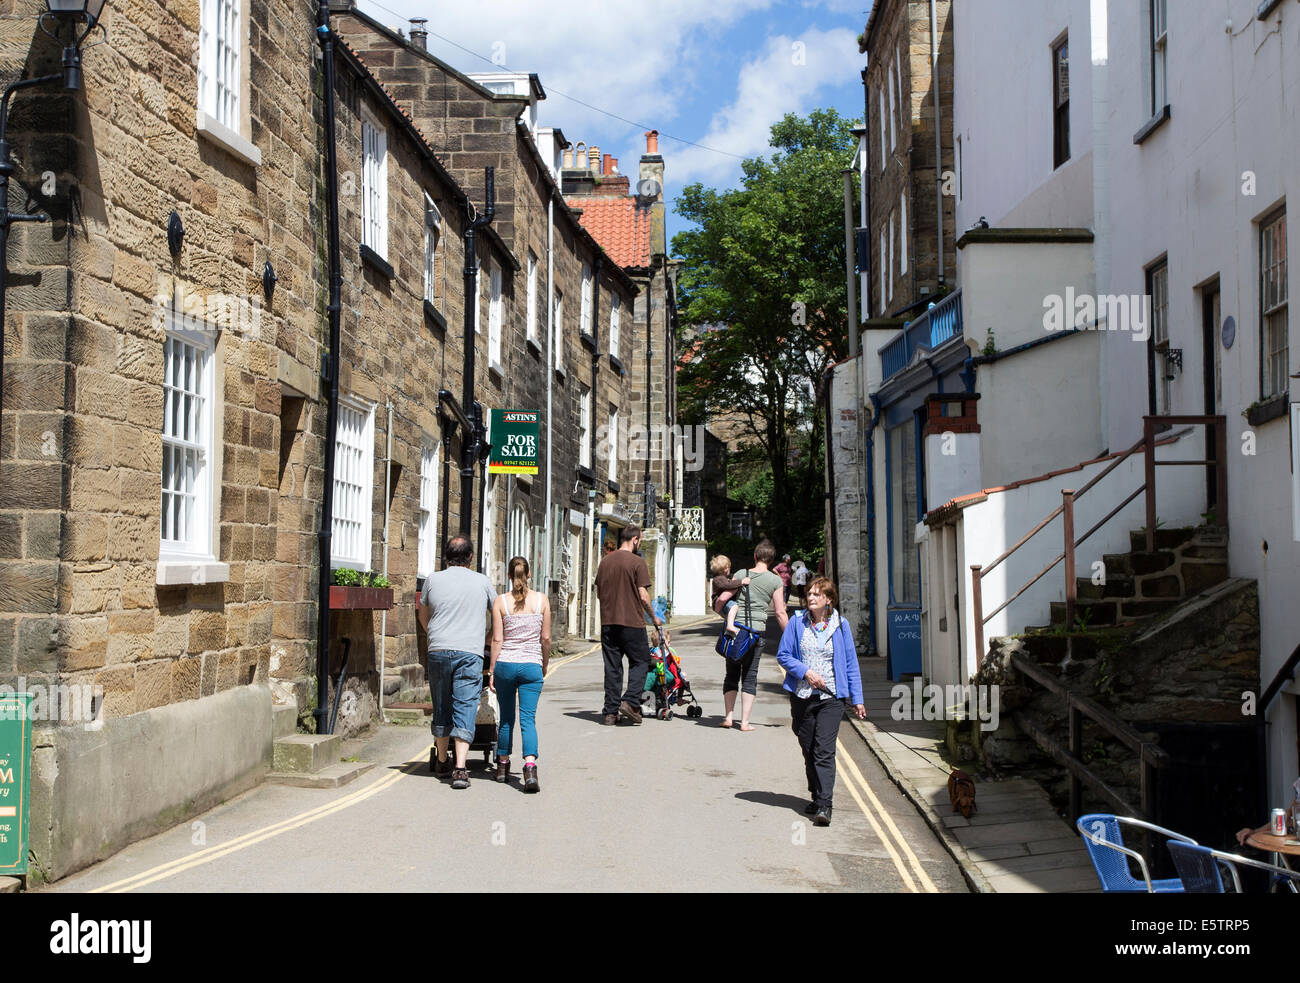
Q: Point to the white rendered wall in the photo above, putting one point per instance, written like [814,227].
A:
[1002,111]
[1235,108]
[1005,287]
[690,580]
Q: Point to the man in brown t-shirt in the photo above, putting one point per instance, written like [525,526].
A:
[622,585]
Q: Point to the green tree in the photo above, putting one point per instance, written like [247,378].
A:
[762,306]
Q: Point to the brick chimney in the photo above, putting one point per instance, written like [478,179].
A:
[419,34]
[652,168]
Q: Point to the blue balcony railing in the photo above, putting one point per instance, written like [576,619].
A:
[939,324]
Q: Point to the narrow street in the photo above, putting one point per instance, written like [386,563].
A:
[675,805]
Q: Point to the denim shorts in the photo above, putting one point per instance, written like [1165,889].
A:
[455,682]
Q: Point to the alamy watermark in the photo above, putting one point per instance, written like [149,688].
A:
[953,702]
[1098,312]
[60,703]
[656,442]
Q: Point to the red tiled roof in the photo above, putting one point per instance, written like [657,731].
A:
[621,228]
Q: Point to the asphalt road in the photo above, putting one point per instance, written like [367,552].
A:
[678,805]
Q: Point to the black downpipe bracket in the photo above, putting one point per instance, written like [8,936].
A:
[323,535]
[473,443]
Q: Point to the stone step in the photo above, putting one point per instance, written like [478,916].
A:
[408,716]
[284,720]
[1144,609]
[1166,539]
[1115,586]
[1096,612]
[305,753]
[10,885]
[1198,575]
[330,776]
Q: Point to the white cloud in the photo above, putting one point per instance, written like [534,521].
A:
[635,58]
[783,79]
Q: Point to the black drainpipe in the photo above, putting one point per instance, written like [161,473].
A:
[832,567]
[323,535]
[473,443]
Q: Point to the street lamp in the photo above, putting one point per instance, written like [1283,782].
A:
[61,12]
[73,12]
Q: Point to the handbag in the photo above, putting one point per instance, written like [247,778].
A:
[734,648]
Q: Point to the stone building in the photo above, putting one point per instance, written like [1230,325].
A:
[560,362]
[164,416]
[630,223]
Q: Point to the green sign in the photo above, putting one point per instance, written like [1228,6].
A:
[15,781]
[514,442]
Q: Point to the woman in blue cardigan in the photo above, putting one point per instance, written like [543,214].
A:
[821,676]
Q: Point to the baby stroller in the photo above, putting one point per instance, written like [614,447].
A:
[667,685]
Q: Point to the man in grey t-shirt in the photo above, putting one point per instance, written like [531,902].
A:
[454,610]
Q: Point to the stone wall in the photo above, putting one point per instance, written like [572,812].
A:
[901,41]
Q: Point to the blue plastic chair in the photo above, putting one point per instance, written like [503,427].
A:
[1101,834]
[1199,869]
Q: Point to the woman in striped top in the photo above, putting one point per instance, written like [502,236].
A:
[521,652]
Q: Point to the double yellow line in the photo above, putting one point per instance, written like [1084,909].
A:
[855,782]
[174,867]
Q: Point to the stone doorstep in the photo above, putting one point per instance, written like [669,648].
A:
[406,716]
[331,776]
[305,753]
[10,885]
[284,720]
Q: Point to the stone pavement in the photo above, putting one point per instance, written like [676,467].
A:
[1013,842]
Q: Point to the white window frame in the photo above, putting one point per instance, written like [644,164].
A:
[584,427]
[893,112]
[612,443]
[374,185]
[354,474]
[884,150]
[883,286]
[557,342]
[1274,358]
[432,233]
[585,325]
[190,559]
[426,561]
[890,277]
[495,358]
[532,297]
[478,295]
[1158,12]
[902,234]
[615,306]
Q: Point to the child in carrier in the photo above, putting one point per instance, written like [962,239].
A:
[724,590]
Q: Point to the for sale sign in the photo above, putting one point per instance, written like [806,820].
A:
[15,781]
[514,442]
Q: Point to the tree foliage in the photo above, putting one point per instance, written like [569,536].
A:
[762,306]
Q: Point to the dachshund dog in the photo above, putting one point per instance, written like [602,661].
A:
[961,792]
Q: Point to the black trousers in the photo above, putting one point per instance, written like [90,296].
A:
[743,675]
[616,642]
[816,723]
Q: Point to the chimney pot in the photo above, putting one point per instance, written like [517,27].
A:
[419,35]
[613,165]
[593,159]
[604,164]
[652,141]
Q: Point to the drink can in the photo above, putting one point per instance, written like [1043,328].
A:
[1277,822]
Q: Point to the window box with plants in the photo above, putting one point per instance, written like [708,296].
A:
[354,591]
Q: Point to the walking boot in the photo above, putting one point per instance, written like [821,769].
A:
[822,817]
[530,779]
[629,714]
[460,778]
[503,769]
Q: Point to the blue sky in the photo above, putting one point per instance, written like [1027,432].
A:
[717,73]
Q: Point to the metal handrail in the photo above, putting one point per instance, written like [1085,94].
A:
[1066,510]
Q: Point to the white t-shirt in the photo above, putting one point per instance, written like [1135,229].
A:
[800,575]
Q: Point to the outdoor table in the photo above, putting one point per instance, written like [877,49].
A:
[1280,847]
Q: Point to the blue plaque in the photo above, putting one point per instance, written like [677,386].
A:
[1229,334]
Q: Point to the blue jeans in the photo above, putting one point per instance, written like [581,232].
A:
[455,681]
[524,678]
